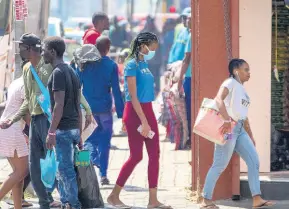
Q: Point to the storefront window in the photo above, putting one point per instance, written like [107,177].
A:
[280,87]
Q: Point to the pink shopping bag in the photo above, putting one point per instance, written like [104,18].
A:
[209,121]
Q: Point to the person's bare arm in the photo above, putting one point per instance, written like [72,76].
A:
[57,110]
[56,117]
[222,94]
[27,119]
[85,104]
[88,116]
[185,65]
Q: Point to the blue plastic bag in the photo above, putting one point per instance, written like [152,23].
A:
[49,167]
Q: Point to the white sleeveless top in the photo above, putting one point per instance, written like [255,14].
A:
[237,102]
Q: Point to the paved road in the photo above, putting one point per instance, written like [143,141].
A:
[175,176]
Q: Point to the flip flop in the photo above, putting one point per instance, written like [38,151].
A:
[209,207]
[9,201]
[162,206]
[26,204]
[264,205]
[121,206]
[55,204]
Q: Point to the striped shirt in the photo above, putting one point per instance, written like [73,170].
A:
[12,139]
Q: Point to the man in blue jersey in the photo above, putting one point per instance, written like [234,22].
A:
[177,52]
[186,73]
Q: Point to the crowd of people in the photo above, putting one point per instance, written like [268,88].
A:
[94,86]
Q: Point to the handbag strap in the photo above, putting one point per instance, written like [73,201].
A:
[38,80]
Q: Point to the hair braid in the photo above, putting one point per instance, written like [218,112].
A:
[142,38]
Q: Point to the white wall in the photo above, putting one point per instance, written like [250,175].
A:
[255,48]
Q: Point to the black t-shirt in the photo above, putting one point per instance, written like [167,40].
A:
[64,79]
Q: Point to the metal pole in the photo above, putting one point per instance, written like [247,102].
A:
[19,29]
[128,10]
[132,9]
[43,19]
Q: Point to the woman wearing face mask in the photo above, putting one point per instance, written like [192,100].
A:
[241,141]
[139,94]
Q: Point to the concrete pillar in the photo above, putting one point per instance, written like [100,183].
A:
[256,49]
[210,68]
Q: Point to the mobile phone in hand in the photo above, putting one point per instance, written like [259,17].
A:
[150,135]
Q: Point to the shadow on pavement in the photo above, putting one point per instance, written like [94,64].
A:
[130,188]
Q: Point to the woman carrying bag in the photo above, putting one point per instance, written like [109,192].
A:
[233,104]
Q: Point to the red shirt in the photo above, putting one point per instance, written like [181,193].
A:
[90,36]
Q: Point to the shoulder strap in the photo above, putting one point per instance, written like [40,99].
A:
[38,80]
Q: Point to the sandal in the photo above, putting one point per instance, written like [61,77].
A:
[213,206]
[25,204]
[266,204]
[162,206]
[121,206]
[55,204]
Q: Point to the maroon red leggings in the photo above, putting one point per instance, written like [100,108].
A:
[136,142]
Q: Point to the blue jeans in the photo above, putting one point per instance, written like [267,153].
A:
[187,90]
[67,182]
[243,145]
[98,143]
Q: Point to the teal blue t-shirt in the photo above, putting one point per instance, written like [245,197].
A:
[177,51]
[144,81]
[189,50]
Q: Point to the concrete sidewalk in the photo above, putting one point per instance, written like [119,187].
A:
[175,176]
